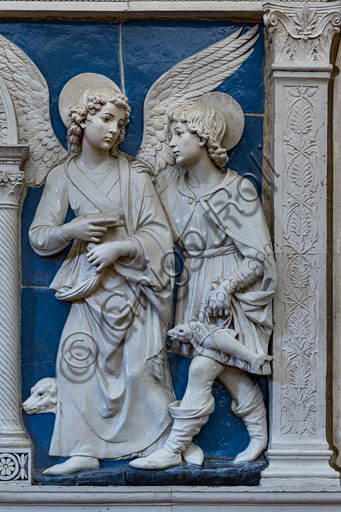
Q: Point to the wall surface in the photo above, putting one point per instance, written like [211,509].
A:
[134,54]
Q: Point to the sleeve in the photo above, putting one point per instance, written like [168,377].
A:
[44,233]
[152,234]
[245,274]
[254,243]
[137,261]
[238,211]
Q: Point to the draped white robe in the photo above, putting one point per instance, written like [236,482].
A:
[117,405]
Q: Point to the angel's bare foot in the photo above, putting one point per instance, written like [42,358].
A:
[76,463]
[259,361]
[161,459]
[193,454]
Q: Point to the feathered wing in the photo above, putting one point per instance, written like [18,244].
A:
[191,78]
[30,96]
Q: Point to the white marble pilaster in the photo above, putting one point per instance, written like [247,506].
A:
[301,35]
[15,446]
[337,261]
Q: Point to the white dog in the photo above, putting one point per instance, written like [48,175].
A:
[44,397]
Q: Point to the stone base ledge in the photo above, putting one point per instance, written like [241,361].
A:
[302,467]
[215,471]
[169,499]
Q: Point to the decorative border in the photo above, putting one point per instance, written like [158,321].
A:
[300,234]
[15,466]
[137,498]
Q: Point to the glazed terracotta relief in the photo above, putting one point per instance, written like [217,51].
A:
[114,217]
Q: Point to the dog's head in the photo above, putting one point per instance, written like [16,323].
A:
[44,397]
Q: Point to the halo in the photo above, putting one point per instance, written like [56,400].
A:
[74,89]
[232,112]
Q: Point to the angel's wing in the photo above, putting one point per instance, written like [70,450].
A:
[30,96]
[191,78]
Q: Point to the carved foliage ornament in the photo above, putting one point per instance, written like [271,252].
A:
[14,466]
[302,33]
[11,178]
[300,221]
[10,186]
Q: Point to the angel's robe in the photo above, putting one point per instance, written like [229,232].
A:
[112,372]
[217,231]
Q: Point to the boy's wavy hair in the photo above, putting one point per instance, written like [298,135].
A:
[92,102]
[208,123]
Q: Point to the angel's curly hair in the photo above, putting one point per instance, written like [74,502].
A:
[206,122]
[92,102]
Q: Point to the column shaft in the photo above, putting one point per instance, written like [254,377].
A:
[15,446]
[9,326]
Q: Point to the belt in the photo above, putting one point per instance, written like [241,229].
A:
[211,253]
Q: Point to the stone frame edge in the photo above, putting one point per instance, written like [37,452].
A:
[134,497]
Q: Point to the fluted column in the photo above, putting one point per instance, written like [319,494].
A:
[15,446]
[300,36]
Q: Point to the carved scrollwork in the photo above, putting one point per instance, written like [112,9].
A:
[301,33]
[11,177]
[301,178]
[11,184]
[300,226]
[299,393]
[3,124]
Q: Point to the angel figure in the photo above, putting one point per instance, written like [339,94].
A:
[116,405]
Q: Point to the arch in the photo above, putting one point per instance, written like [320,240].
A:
[8,119]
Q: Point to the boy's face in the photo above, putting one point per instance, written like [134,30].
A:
[185,145]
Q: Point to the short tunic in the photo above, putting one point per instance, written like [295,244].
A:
[209,253]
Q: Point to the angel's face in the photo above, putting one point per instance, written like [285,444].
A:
[187,147]
[102,131]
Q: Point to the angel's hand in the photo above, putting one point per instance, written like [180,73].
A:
[218,302]
[85,228]
[106,254]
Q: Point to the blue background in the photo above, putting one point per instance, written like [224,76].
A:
[62,50]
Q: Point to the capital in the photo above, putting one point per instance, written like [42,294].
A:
[301,33]
[11,176]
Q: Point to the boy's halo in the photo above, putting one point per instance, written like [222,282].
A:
[74,89]
[232,113]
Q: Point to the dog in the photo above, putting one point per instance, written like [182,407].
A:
[43,399]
